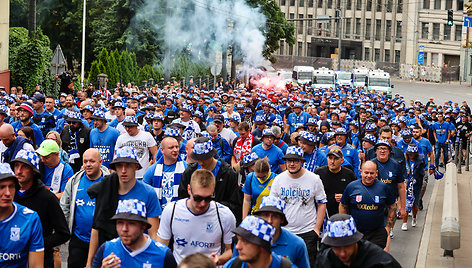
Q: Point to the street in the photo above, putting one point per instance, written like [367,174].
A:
[441,92]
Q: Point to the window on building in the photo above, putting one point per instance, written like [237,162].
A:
[388,30]
[378,27]
[300,49]
[368,26]
[292,3]
[310,25]
[460,4]
[389,5]
[397,56]
[320,3]
[349,4]
[437,4]
[447,32]
[290,50]
[282,46]
[377,54]
[369,5]
[387,55]
[301,3]
[330,3]
[426,59]
[398,35]
[424,30]
[283,3]
[291,16]
[347,31]
[359,5]
[308,49]
[458,34]
[426,4]
[366,53]
[379,6]
[435,31]
[400,6]
[448,4]
[358,28]
[435,59]
[300,24]
[310,3]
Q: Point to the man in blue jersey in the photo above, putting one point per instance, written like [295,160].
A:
[314,158]
[51,108]
[120,185]
[255,236]
[349,152]
[366,200]
[273,153]
[41,117]
[25,114]
[442,132]
[119,111]
[20,228]
[54,171]
[78,207]
[103,137]
[428,153]
[164,175]
[296,117]
[286,244]
[133,248]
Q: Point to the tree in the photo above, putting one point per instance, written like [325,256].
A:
[29,59]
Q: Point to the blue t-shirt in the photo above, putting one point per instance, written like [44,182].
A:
[145,193]
[276,260]
[38,135]
[274,154]
[426,148]
[441,131]
[292,247]
[253,186]
[390,174]
[151,254]
[105,143]
[367,204]
[293,119]
[67,172]
[84,209]
[57,114]
[21,233]
[114,123]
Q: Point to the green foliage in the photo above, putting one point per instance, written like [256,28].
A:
[29,59]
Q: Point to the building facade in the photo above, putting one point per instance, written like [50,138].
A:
[377,30]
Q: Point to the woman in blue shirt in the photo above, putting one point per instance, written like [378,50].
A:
[256,186]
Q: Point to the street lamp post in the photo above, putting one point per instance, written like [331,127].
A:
[82,65]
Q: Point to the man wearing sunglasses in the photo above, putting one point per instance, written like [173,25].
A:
[196,224]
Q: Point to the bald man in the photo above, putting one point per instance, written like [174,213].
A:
[189,149]
[78,207]
[11,144]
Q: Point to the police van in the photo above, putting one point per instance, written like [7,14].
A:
[343,78]
[360,77]
[324,78]
[303,74]
[379,81]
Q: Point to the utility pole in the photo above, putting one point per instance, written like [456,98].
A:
[82,65]
[340,19]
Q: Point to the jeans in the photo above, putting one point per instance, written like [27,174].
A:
[437,153]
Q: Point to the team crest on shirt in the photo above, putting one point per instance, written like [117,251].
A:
[82,140]
[210,227]
[147,265]
[15,233]
[390,174]
[358,198]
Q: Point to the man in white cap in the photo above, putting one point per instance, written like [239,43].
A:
[344,240]
[305,197]
[133,248]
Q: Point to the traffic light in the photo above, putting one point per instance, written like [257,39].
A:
[337,15]
[450,19]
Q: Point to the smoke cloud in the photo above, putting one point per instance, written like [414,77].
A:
[203,28]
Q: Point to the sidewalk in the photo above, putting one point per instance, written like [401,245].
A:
[430,253]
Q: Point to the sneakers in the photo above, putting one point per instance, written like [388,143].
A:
[413,222]
[404,227]
[391,233]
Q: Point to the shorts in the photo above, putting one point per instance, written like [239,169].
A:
[378,236]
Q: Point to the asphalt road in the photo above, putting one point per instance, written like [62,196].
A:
[441,92]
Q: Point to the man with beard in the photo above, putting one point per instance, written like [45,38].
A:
[305,199]
[103,137]
[25,113]
[191,127]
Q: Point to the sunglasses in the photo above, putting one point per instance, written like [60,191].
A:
[199,199]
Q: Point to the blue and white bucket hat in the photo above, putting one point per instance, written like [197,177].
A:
[98,115]
[27,157]
[7,173]
[294,152]
[278,122]
[311,122]
[158,117]
[370,138]
[203,149]
[130,121]
[273,204]
[341,231]
[74,116]
[412,149]
[119,104]
[249,160]
[256,231]
[125,154]
[267,132]
[133,210]
[307,137]
[172,132]
[88,108]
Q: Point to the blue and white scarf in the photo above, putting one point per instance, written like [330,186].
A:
[167,187]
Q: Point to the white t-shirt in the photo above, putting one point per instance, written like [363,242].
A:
[300,196]
[196,233]
[141,142]
[228,135]
[122,128]
[189,133]
[110,116]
